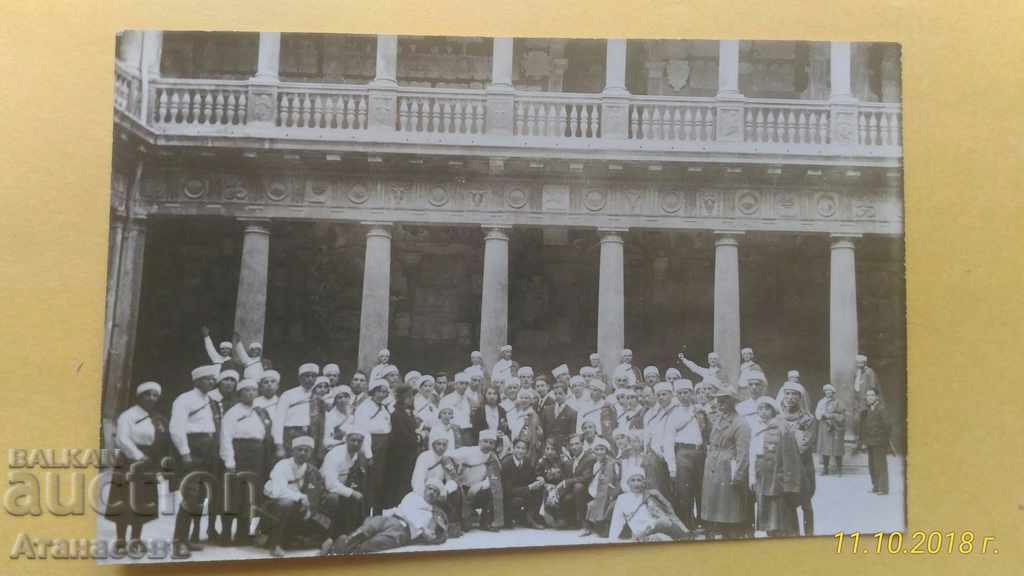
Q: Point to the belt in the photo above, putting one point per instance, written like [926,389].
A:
[304,427]
[249,440]
[688,445]
[200,435]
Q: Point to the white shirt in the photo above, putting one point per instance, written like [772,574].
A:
[285,480]
[502,370]
[424,409]
[630,510]
[134,429]
[190,413]
[211,351]
[292,410]
[268,404]
[491,416]
[429,468]
[253,366]
[240,422]
[374,418]
[516,420]
[461,409]
[335,470]
[416,512]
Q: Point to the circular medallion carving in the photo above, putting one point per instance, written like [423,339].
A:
[195,188]
[748,203]
[516,198]
[438,196]
[357,194]
[671,201]
[277,190]
[827,205]
[595,200]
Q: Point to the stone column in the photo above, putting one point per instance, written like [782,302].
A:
[729,108]
[727,303]
[251,303]
[500,95]
[843,107]
[262,110]
[384,87]
[842,318]
[611,314]
[127,286]
[130,51]
[494,300]
[374,313]
[269,62]
[615,98]
[152,47]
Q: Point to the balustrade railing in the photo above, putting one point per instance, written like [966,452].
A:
[323,107]
[672,119]
[441,111]
[879,125]
[537,118]
[786,122]
[554,115]
[199,102]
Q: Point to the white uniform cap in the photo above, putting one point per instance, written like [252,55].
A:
[205,372]
[560,370]
[412,378]
[343,389]
[383,351]
[354,429]
[378,383]
[227,374]
[332,369]
[828,387]
[769,401]
[577,381]
[756,375]
[742,350]
[587,371]
[273,375]
[525,371]
[461,377]
[651,370]
[389,369]
[225,344]
[793,374]
[672,372]
[596,384]
[595,356]
[862,358]
[246,383]
[712,355]
[436,433]
[302,441]
[505,348]
[147,386]
[322,380]
[309,368]
[425,380]
[473,372]
[600,442]
[683,384]
[488,435]
[255,346]
[663,387]
[626,351]
[475,354]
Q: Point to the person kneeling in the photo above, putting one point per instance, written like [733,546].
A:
[523,487]
[603,488]
[417,520]
[294,491]
[481,481]
[645,513]
[345,471]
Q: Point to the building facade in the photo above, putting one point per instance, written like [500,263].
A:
[332,195]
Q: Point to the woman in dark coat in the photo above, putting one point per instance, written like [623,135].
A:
[831,430]
[143,441]
[403,448]
[723,491]
[775,469]
[498,423]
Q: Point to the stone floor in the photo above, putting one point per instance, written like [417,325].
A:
[861,511]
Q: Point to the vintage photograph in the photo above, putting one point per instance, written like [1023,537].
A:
[404,293]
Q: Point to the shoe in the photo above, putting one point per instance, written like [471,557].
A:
[277,552]
[533,523]
[327,548]
[586,532]
[489,528]
[194,546]
[181,551]
[137,548]
[120,548]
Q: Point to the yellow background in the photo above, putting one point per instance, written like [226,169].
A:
[963,80]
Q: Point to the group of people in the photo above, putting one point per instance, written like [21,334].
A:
[389,459]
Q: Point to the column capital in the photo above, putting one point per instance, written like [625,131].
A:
[844,240]
[496,232]
[255,225]
[612,234]
[728,237]
[378,229]
[135,224]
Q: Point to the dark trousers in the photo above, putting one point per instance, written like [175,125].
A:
[375,534]
[686,486]
[521,504]
[286,515]
[573,504]
[878,467]
[197,482]
[484,501]
[346,514]
[377,475]
[243,490]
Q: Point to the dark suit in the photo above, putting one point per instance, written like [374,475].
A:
[559,428]
[478,422]
[874,433]
[574,494]
[520,502]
